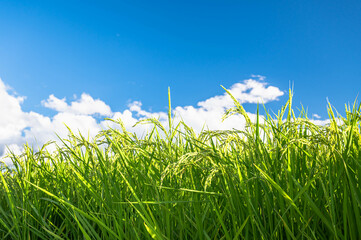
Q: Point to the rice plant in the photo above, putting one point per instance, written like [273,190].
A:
[282,177]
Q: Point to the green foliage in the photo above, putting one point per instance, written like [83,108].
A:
[283,177]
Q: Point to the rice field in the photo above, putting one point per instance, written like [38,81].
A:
[282,177]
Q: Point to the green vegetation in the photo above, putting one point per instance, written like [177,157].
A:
[283,177]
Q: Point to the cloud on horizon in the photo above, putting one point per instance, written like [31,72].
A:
[18,127]
[86,105]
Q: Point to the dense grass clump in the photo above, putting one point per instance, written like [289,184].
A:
[283,177]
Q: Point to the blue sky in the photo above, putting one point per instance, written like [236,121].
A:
[125,51]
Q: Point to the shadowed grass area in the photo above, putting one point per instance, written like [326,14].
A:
[283,177]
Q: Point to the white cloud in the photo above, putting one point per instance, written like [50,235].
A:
[136,107]
[259,77]
[249,91]
[321,122]
[13,120]
[18,127]
[85,105]
[316,116]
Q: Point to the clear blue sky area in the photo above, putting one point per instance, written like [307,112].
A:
[121,50]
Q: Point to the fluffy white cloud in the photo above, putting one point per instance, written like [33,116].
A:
[249,91]
[18,127]
[322,122]
[316,116]
[85,105]
[260,77]
[13,120]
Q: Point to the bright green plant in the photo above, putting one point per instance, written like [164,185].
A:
[282,177]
